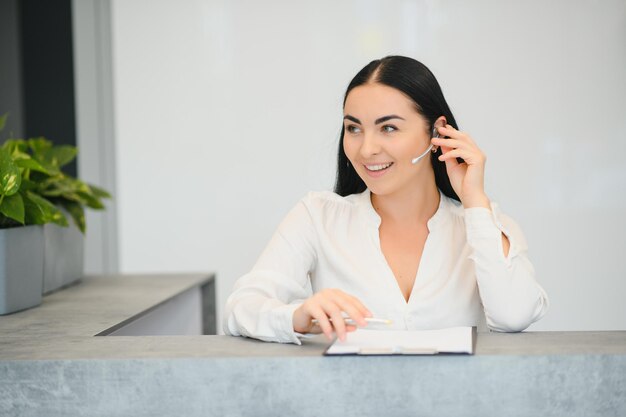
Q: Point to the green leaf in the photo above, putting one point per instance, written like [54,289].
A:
[28,185]
[39,178]
[17,155]
[57,185]
[16,145]
[59,156]
[62,187]
[10,177]
[99,192]
[38,210]
[32,165]
[50,168]
[13,207]
[77,212]
[80,198]
[40,145]
[39,148]
[91,201]
[3,120]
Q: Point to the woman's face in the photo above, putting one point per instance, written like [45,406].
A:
[383,132]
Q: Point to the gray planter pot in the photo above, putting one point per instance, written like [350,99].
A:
[63,257]
[21,268]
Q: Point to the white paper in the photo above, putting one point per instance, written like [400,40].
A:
[408,342]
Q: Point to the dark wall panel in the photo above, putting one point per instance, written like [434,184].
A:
[48,71]
[11,69]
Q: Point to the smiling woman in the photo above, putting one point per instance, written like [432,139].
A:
[405,238]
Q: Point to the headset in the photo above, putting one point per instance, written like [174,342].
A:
[434,135]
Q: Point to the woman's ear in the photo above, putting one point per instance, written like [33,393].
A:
[441,121]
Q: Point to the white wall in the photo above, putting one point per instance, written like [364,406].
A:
[227,112]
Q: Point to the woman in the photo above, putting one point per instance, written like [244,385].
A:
[405,237]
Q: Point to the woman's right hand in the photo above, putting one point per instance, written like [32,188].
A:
[329,304]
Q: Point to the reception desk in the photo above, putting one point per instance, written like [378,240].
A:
[64,359]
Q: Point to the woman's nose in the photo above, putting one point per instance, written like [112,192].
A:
[370,146]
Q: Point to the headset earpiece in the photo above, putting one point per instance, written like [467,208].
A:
[431,147]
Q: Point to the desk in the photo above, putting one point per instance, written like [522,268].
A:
[51,364]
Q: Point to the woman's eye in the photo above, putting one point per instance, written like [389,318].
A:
[389,128]
[353,129]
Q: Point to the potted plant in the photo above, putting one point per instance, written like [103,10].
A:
[22,214]
[36,255]
[64,246]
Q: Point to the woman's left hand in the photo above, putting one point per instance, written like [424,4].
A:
[466,178]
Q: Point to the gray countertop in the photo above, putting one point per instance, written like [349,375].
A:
[53,364]
[66,324]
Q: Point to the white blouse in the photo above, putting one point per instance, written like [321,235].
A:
[329,241]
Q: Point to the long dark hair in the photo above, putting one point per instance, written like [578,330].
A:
[416,81]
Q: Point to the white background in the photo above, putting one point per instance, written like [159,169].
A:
[227,112]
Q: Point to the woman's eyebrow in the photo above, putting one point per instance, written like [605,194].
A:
[385,118]
[354,119]
[378,121]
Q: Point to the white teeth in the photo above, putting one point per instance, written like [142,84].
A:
[378,167]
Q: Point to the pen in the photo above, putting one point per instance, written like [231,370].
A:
[367,319]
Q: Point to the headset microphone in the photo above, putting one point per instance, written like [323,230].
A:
[416,160]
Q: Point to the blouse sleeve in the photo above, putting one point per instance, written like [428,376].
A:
[511,296]
[264,300]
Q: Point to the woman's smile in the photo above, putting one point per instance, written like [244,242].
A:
[377,170]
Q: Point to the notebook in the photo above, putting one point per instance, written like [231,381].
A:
[406,342]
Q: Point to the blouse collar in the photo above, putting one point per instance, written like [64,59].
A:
[364,201]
